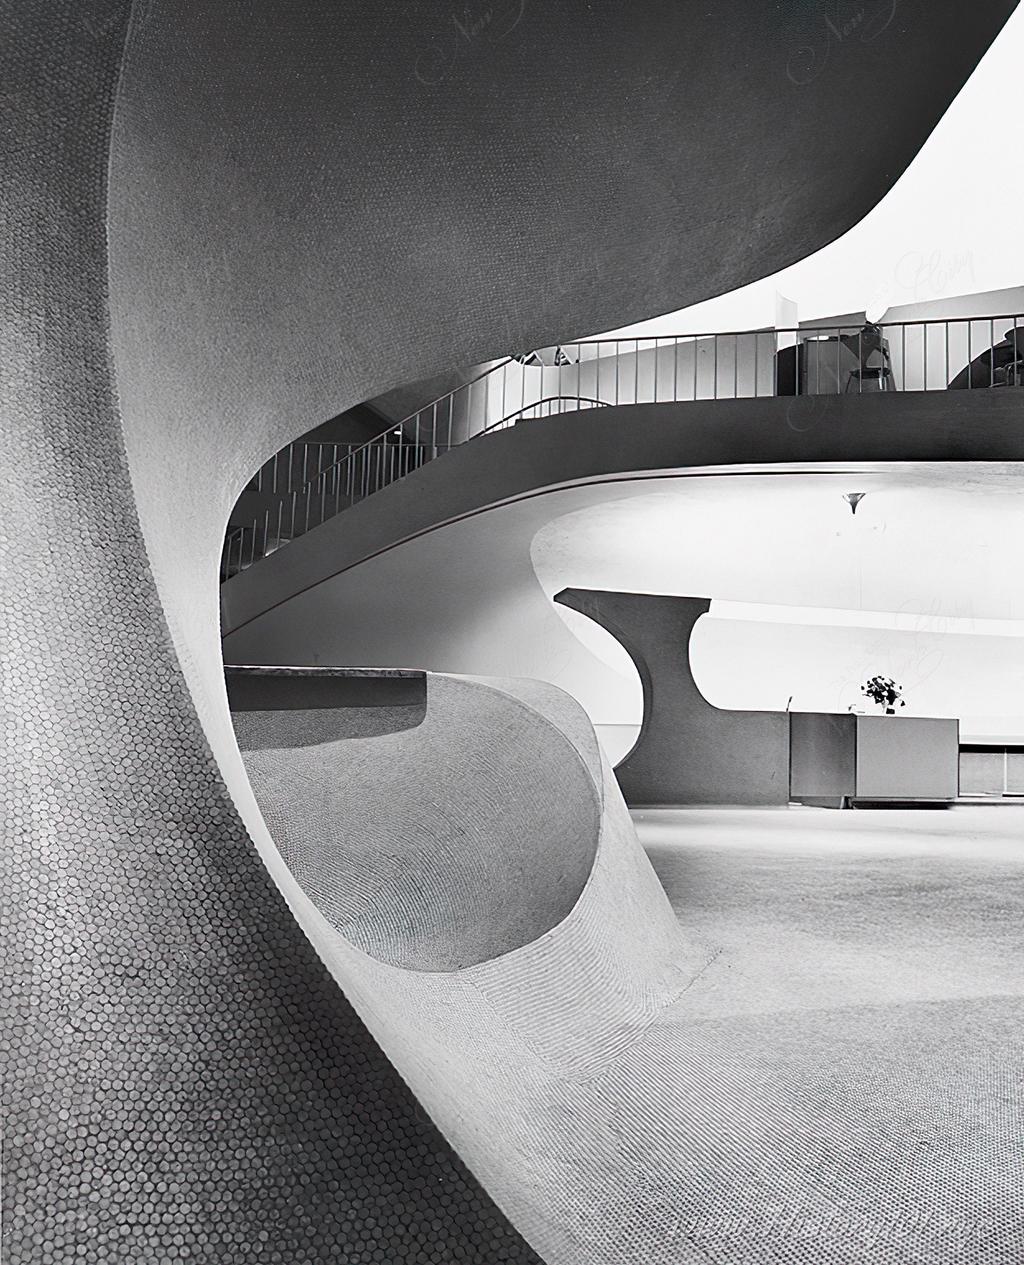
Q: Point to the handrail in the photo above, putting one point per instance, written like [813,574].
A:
[579,400]
[926,355]
[433,403]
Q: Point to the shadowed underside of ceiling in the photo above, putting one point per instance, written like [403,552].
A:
[308,205]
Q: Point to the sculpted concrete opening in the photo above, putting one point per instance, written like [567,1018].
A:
[437,846]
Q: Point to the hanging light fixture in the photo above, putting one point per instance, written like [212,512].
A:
[853,499]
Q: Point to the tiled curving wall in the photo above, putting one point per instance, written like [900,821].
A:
[183,1081]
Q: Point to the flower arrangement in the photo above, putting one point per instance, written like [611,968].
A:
[884,691]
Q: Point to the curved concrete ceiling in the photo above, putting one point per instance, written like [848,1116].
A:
[940,541]
[304,213]
[928,239]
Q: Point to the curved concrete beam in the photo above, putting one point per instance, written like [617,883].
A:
[688,752]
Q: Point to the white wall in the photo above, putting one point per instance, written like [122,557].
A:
[745,663]
[923,584]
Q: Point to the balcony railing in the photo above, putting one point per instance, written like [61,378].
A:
[969,354]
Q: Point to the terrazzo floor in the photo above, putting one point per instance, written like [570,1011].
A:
[807,907]
[858,1017]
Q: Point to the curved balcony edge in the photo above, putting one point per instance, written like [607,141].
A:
[641,440]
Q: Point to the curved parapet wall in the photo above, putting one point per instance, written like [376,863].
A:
[528,949]
[688,752]
[433,847]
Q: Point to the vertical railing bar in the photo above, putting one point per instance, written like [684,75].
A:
[945,325]
[970,355]
[775,365]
